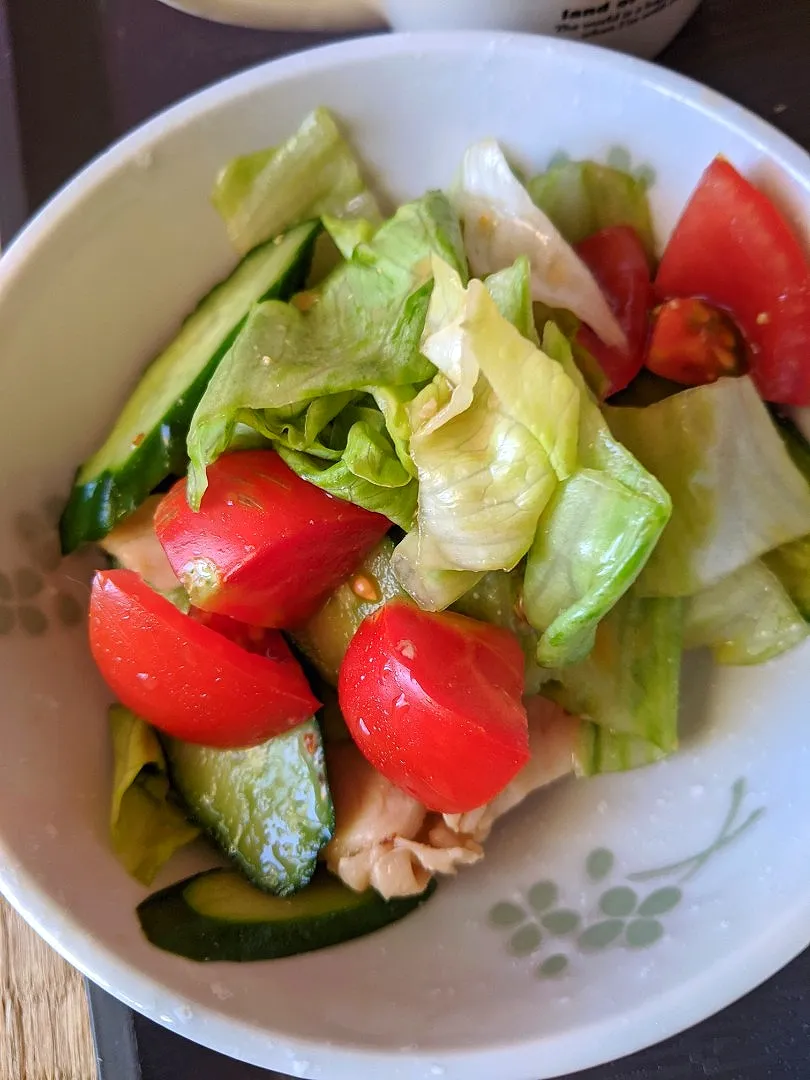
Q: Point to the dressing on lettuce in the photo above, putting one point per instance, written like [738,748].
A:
[735,492]
[146,827]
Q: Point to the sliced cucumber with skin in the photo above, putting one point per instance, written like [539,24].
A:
[218,915]
[325,638]
[148,441]
[267,808]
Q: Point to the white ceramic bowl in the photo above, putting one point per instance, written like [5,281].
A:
[684,884]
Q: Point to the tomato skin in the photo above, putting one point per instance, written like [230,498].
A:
[433,701]
[617,259]
[693,343]
[185,678]
[266,547]
[733,248]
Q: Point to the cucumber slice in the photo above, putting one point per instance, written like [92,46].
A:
[325,638]
[217,915]
[267,808]
[148,441]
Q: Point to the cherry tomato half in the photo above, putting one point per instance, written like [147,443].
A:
[733,248]
[617,259]
[693,343]
[434,703]
[266,546]
[186,678]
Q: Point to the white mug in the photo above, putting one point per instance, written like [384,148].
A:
[641,27]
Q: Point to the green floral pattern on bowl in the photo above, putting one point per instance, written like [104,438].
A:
[42,591]
[543,926]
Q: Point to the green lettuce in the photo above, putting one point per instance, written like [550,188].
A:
[491,433]
[736,494]
[594,537]
[348,234]
[313,173]
[361,329]
[746,618]
[501,223]
[628,687]
[583,197]
[146,827]
[368,475]
[791,562]
[420,574]
[602,750]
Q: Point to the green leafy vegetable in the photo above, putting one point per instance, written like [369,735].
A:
[628,686]
[501,223]
[602,750]
[349,233]
[434,589]
[146,827]
[736,494]
[313,173]
[595,535]
[746,618]
[583,197]
[490,434]
[791,562]
[360,476]
[361,329]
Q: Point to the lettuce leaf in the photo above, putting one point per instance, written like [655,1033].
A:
[367,473]
[432,587]
[362,328]
[595,535]
[491,433]
[791,564]
[483,482]
[583,197]
[736,494]
[501,223]
[146,828]
[602,750]
[629,685]
[746,618]
[313,173]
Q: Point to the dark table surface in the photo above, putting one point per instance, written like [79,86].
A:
[77,74]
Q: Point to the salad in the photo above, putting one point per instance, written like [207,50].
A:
[419,511]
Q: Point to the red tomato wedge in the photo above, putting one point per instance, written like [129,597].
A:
[617,259]
[694,343]
[434,703]
[185,678]
[733,248]
[266,546]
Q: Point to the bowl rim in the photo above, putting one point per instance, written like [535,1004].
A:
[541,1058]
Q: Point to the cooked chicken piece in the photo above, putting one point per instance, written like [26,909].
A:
[552,741]
[387,840]
[134,546]
[383,837]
